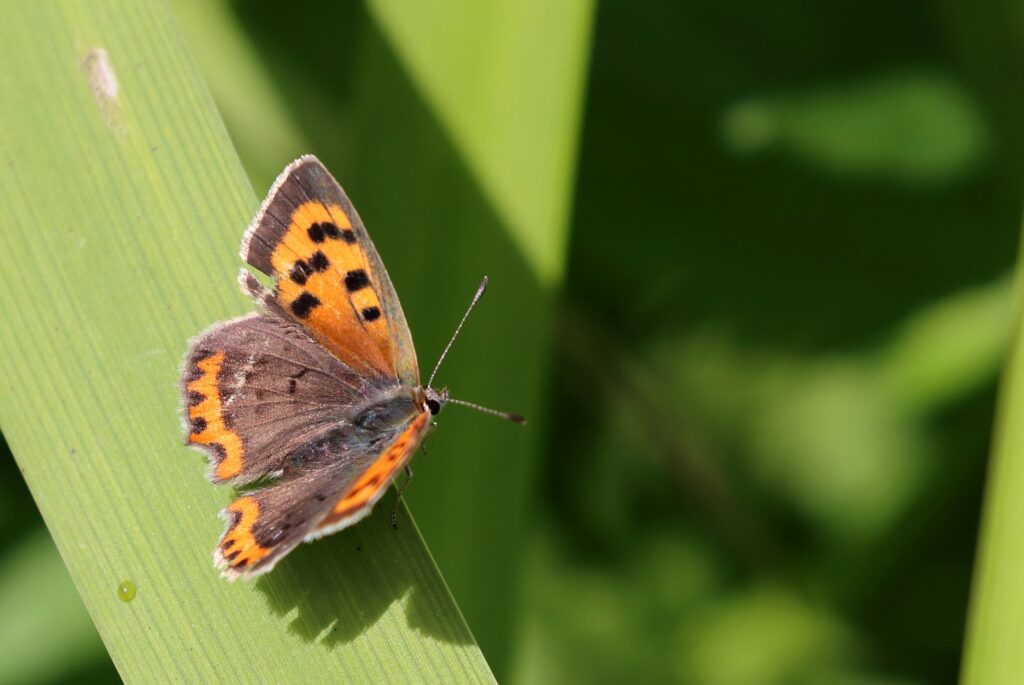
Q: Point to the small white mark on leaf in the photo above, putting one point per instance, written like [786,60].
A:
[104,86]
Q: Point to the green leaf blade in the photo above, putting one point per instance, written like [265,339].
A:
[995,622]
[126,205]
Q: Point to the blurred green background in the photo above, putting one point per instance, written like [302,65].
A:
[759,314]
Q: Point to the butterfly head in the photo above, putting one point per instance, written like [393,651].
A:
[435,400]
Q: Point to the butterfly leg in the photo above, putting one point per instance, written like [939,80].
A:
[398,500]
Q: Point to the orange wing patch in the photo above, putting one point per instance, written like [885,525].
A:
[371,484]
[325,281]
[206,415]
[238,549]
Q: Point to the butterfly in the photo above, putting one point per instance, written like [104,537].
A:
[316,398]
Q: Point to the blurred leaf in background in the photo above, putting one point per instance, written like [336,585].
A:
[786,307]
[913,128]
[759,368]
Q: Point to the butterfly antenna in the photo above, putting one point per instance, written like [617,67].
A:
[515,418]
[476,298]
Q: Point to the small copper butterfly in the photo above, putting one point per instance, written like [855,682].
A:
[319,393]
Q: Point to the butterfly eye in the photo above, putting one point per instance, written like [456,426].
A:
[434,406]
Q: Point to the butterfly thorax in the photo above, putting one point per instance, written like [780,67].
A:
[369,427]
[392,412]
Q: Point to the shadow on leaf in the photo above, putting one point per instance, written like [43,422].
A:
[335,590]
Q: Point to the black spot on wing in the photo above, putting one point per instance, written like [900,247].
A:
[322,230]
[300,272]
[194,372]
[316,232]
[304,304]
[371,314]
[219,454]
[356,280]
[319,261]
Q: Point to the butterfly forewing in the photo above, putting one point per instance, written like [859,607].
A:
[328,276]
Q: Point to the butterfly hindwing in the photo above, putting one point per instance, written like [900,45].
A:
[257,388]
[328,275]
[264,525]
[358,498]
[339,468]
